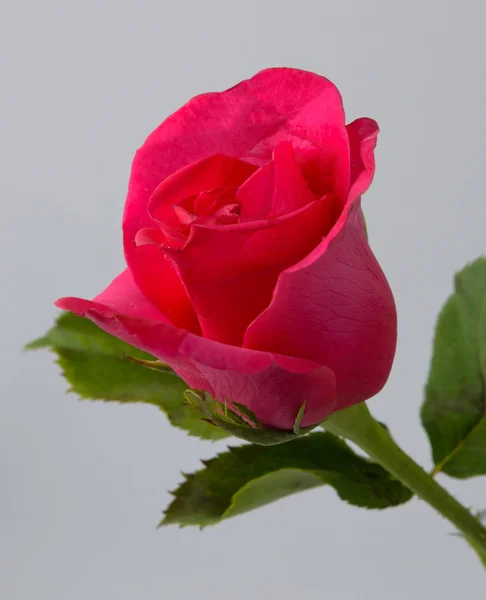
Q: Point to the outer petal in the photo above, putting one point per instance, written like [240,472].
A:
[335,308]
[246,121]
[362,135]
[124,296]
[271,385]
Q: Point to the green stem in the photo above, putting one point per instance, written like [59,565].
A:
[357,425]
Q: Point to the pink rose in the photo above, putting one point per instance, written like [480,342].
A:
[249,271]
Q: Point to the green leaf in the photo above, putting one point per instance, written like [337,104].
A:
[250,476]
[454,410]
[101,367]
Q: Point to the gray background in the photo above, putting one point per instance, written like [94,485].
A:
[82,84]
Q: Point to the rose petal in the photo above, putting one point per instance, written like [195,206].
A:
[152,269]
[216,171]
[274,387]
[150,235]
[362,135]
[123,295]
[334,308]
[156,277]
[246,121]
[229,271]
[276,189]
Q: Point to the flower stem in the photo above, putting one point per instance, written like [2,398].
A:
[357,425]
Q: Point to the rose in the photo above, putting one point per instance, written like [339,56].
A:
[249,271]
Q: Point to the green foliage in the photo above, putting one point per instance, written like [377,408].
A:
[241,422]
[454,410]
[250,476]
[99,366]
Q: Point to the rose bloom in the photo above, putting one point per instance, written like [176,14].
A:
[248,267]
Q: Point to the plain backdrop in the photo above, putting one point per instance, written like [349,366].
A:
[83,483]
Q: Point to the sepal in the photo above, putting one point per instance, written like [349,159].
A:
[238,420]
